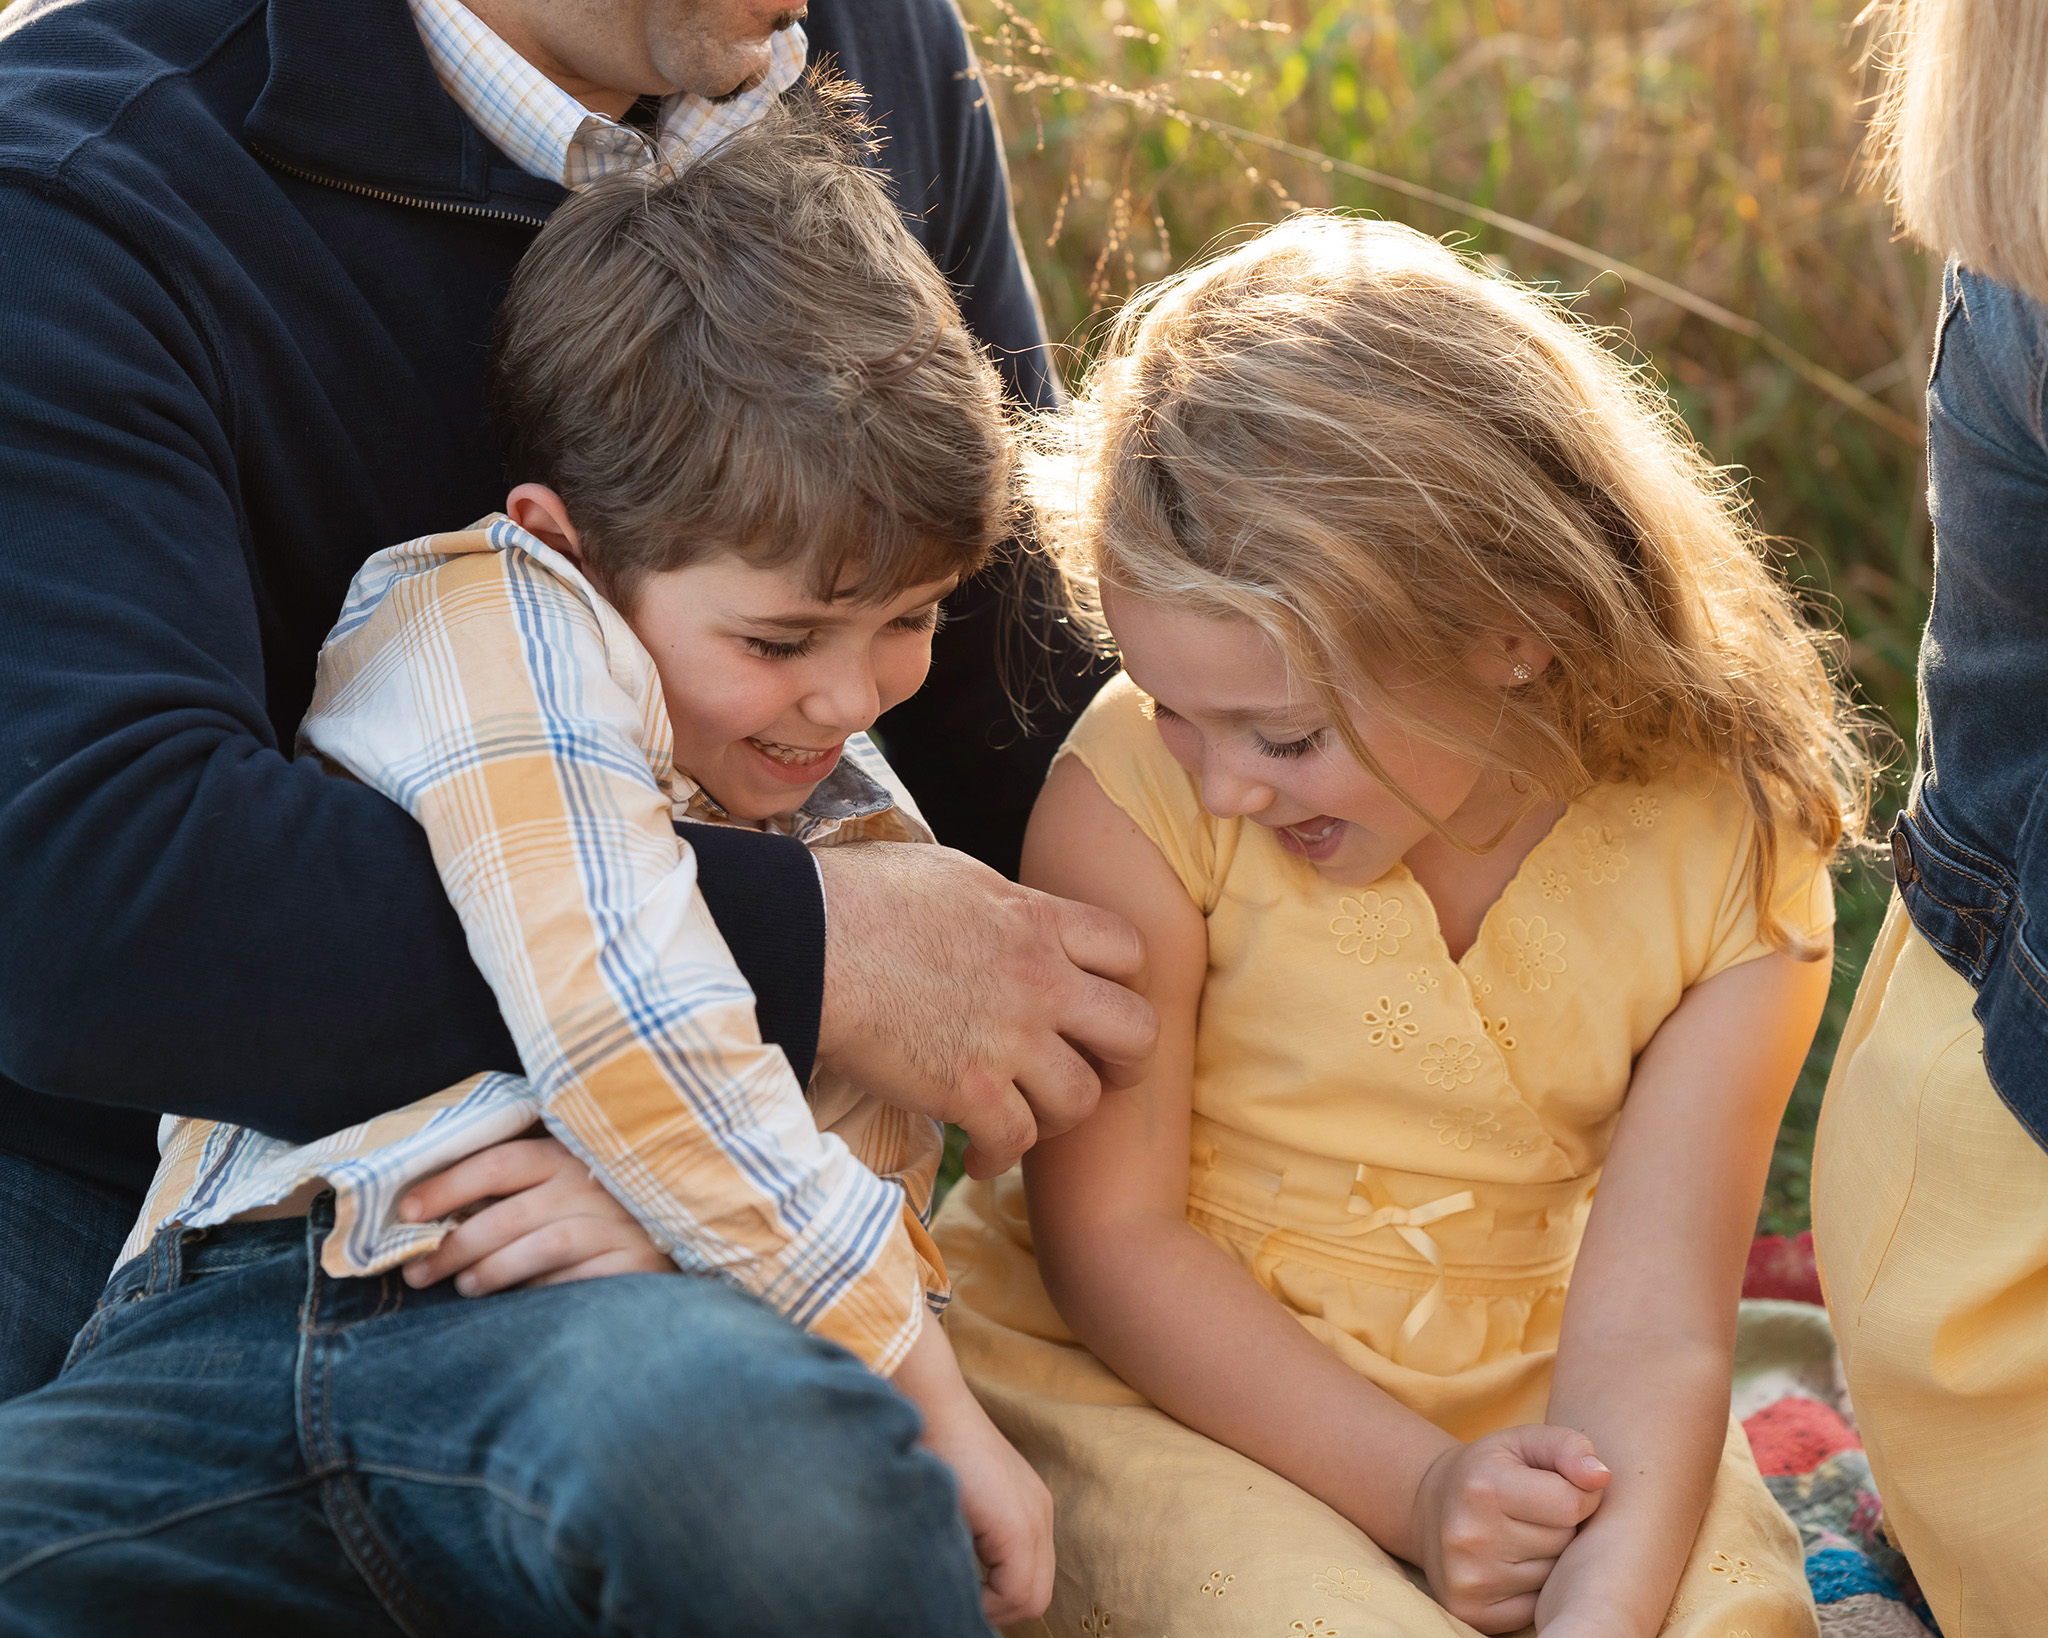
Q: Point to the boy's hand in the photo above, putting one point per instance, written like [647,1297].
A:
[952,992]
[1007,1508]
[1494,1515]
[548,1221]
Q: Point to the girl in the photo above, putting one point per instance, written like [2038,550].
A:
[1474,786]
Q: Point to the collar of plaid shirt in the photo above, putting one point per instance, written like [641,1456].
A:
[548,133]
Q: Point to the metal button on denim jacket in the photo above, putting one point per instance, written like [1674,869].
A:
[1971,852]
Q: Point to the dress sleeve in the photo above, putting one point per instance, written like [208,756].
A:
[1118,743]
[1802,900]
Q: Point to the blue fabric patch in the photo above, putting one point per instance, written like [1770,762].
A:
[1836,1573]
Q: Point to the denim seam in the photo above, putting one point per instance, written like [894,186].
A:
[130,1532]
[1988,870]
[538,1512]
[347,1517]
[2014,950]
[1969,959]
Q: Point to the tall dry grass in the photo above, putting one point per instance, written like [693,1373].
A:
[1706,148]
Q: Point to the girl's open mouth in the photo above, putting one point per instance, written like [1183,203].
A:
[796,764]
[1314,839]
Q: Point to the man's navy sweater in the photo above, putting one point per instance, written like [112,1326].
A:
[249,256]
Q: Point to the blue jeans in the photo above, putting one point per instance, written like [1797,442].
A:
[240,1443]
[59,1236]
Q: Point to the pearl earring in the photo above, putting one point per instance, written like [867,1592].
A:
[1521,671]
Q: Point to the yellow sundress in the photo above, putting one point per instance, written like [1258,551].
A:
[1403,1149]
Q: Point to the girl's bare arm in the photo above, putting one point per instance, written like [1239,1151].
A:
[1181,1321]
[1649,1326]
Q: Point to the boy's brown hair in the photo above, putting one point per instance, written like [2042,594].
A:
[750,353]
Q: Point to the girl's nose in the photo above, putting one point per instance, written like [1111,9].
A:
[1230,793]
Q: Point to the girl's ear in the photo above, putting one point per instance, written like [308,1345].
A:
[1503,661]
[539,511]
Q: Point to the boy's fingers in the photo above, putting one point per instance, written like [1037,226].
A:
[498,1225]
[634,1259]
[503,1168]
[549,1249]
[1019,1575]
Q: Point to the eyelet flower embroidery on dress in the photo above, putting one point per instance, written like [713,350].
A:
[1521,1145]
[1449,1062]
[1316,1628]
[1557,886]
[1370,927]
[1735,1571]
[1424,979]
[1353,1586]
[1497,1033]
[1463,1126]
[1388,1023]
[1218,1583]
[1645,811]
[1533,952]
[1098,1622]
[1602,855]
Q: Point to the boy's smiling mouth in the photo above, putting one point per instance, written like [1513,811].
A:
[796,764]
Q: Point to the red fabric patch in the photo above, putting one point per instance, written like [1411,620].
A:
[1796,1435]
[1782,1268]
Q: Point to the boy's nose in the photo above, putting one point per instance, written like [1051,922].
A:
[846,699]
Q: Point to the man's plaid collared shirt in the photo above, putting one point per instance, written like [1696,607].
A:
[548,133]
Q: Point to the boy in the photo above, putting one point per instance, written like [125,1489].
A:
[765,448]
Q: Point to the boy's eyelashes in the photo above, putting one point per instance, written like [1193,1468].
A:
[781,651]
[1308,742]
[926,619]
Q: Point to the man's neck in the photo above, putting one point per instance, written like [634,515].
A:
[511,22]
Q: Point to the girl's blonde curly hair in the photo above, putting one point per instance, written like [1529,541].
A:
[1381,453]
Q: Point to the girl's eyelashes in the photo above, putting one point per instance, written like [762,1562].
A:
[1292,747]
[780,651]
[1308,742]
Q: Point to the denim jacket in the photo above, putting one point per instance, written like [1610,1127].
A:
[1971,850]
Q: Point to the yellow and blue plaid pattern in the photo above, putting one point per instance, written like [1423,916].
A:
[548,133]
[478,680]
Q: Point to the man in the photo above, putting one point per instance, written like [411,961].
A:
[251,252]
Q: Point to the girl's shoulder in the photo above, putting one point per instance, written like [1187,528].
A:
[1116,740]
[1686,846]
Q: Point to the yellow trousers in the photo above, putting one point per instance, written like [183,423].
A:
[1930,1218]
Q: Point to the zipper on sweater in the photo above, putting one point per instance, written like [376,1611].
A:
[388,198]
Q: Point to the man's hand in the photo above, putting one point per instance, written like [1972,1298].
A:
[956,993]
[1493,1516]
[547,1221]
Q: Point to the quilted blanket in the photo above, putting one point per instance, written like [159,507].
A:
[1791,1401]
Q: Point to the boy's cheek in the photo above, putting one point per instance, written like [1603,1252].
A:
[897,679]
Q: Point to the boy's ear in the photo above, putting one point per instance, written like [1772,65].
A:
[539,511]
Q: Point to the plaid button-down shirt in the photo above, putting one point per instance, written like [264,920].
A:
[480,682]
[548,133]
